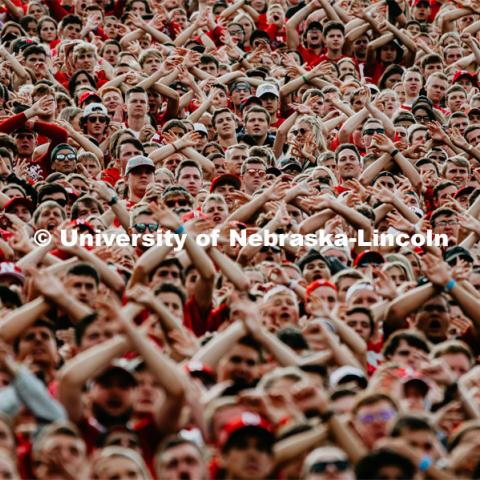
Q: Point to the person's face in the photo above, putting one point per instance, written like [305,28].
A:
[360,323]
[180,204]
[225,124]
[369,130]
[457,174]
[50,218]
[254,177]
[406,355]
[423,441]
[360,46]
[83,288]
[323,296]
[191,179]
[234,160]
[71,31]
[38,343]
[363,298]
[419,137]
[64,161]
[151,64]
[436,88]
[248,458]
[460,123]
[316,270]
[173,302]
[181,462]
[371,421]
[22,212]
[48,31]
[98,332]
[93,168]
[137,104]
[270,103]
[85,210]
[348,164]
[473,137]
[281,310]
[210,68]
[115,394]
[388,53]
[86,61]
[299,132]
[334,40]
[332,466]
[125,152]
[314,37]
[240,365]
[445,195]
[414,29]
[25,143]
[119,468]
[36,11]
[216,211]
[458,363]
[170,274]
[432,319]
[256,125]
[453,54]
[432,68]
[412,83]
[67,449]
[80,186]
[110,27]
[112,101]
[140,178]
[455,101]
[421,12]
[239,94]
[147,393]
[346,68]
[96,124]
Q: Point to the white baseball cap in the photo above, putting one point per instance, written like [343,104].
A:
[139,161]
[265,88]
[93,108]
[200,127]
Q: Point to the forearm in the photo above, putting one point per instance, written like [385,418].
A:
[382,163]
[384,119]
[185,35]
[17,321]
[351,124]
[316,221]
[295,446]
[148,262]
[230,269]
[211,353]
[197,114]
[33,258]
[86,144]
[354,218]
[469,304]
[284,355]
[74,309]
[245,212]
[206,164]
[122,215]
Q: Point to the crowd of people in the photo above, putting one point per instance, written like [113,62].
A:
[234,361]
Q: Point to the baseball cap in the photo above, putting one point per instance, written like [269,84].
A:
[347,373]
[94,108]
[453,253]
[310,256]
[240,84]
[250,100]
[247,422]
[11,270]
[19,201]
[417,2]
[463,191]
[267,88]
[225,179]
[464,74]
[118,367]
[139,161]
[290,163]
[314,26]
[88,95]
[367,257]
[200,127]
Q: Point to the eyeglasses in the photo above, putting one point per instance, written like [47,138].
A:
[382,416]
[235,32]
[256,173]
[297,131]
[66,156]
[177,202]
[142,227]
[422,118]
[445,223]
[439,158]
[97,119]
[61,201]
[372,131]
[272,248]
[325,180]
[433,308]
[321,467]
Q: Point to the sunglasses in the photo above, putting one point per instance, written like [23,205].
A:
[256,173]
[179,202]
[324,180]
[142,227]
[301,131]
[62,202]
[321,467]
[272,248]
[66,156]
[97,119]
[372,131]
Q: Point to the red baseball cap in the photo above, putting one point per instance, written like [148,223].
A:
[317,284]
[247,421]
[87,95]
[19,201]
[226,178]
[464,74]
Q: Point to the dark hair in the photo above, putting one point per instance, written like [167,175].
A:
[133,90]
[185,164]
[85,270]
[389,71]
[171,288]
[346,146]
[33,50]
[413,339]
[87,200]
[292,337]
[364,311]
[368,468]
[332,25]
[413,423]
[442,211]
[71,19]
[132,141]
[50,188]
[73,80]
[205,59]
[81,327]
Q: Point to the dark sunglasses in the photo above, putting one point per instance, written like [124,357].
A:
[62,202]
[142,227]
[372,131]
[301,131]
[97,119]
[321,467]
[324,180]
[271,248]
[434,308]
[66,156]
[179,202]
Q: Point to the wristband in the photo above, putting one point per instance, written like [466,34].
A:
[180,230]
[112,201]
[425,463]
[395,152]
[449,286]
[175,149]
[304,78]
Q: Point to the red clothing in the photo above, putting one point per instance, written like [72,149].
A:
[262,22]
[194,319]
[310,58]
[39,168]
[278,37]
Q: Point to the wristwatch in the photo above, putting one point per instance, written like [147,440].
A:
[112,201]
